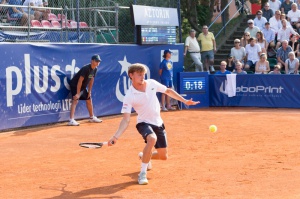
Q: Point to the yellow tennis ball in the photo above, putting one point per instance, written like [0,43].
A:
[213,128]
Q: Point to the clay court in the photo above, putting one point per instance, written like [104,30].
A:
[254,154]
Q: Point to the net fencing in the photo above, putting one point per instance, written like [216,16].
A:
[79,21]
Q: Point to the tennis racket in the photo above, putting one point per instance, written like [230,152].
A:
[93,145]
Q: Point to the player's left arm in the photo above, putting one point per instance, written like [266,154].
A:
[173,94]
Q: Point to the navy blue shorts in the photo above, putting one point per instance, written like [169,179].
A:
[146,129]
[84,95]
[167,83]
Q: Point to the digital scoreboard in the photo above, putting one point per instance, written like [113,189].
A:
[194,85]
[156,34]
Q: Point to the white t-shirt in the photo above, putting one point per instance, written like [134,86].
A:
[294,16]
[238,54]
[252,52]
[275,5]
[192,43]
[35,3]
[260,23]
[284,34]
[275,24]
[145,103]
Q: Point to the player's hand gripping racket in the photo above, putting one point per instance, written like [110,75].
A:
[93,145]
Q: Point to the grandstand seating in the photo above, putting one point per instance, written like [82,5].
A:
[36,23]
[52,17]
[64,24]
[61,17]
[83,24]
[55,24]
[73,24]
[46,24]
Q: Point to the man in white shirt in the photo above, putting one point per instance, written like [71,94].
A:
[39,13]
[275,22]
[192,46]
[275,5]
[284,33]
[294,16]
[251,28]
[253,51]
[259,20]
[141,96]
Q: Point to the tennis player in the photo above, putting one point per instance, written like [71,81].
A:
[81,89]
[142,97]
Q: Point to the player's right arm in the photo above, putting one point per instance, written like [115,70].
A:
[122,127]
[79,84]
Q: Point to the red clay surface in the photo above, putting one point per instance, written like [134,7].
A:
[254,154]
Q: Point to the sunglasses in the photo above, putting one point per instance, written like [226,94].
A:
[247,35]
[237,42]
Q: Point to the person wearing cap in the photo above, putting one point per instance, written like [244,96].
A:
[81,89]
[223,70]
[238,52]
[166,77]
[259,20]
[269,35]
[267,12]
[192,46]
[208,48]
[251,28]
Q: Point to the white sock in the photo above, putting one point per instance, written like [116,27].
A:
[144,167]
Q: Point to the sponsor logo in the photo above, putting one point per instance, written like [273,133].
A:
[124,81]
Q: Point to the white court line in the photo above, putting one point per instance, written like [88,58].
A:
[37,115]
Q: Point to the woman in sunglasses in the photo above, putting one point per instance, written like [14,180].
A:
[245,39]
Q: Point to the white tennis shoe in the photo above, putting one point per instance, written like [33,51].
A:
[149,167]
[73,122]
[164,108]
[95,119]
[142,179]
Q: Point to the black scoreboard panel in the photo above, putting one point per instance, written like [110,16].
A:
[156,34]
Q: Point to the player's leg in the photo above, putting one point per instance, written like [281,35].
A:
[89,106]
[72,121]
[161,145]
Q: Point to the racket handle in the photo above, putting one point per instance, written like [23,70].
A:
[106,143]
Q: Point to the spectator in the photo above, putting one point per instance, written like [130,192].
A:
[267,12]
[245,39]
[262,66]
[208,48]
[39,13]
[298,4]
[269,35]
[291,64]
[294,16]
[253,51]
[294,44]
[275,22]
[284,33]
[283,17]
[238,52]
[259,20]
[276,70]
[274,5]
[166,76]
[282,53]
[223,70]
[18,12]
[261,41]
[238,69]
[230,65]
[192,46]
[286,6]
[252,29]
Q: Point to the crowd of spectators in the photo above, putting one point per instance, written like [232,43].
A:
[273,34]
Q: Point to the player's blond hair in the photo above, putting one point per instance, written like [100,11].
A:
[137,67]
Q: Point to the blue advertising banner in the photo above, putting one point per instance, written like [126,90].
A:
[34,79]
[256,90]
